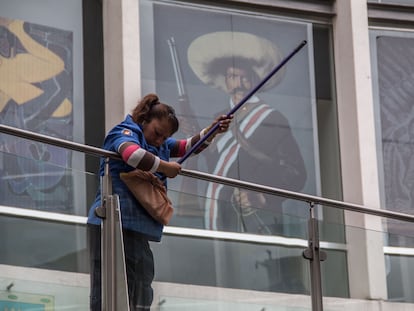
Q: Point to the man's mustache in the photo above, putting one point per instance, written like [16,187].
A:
[238,89]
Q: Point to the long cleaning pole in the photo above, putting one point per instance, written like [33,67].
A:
[241,103]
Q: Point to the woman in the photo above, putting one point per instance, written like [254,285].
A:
[144,141]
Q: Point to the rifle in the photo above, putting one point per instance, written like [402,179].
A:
[187,198]
[190,121]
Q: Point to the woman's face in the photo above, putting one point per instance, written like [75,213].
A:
[156,131]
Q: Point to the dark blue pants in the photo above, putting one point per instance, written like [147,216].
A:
[139,262]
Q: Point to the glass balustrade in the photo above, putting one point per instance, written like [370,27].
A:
[44,258]
[374,269]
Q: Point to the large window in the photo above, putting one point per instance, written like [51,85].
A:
[394,68]
[42,68]
[202,61]
[41,53]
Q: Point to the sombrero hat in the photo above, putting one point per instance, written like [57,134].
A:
[209,56]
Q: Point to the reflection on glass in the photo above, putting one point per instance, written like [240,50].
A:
[232,265]
[400,278]
[25,183]
[43,244]
[48,292]
[35,183]
[242,215]
[43,264]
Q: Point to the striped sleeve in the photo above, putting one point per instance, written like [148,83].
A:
[138,157]
[181,146]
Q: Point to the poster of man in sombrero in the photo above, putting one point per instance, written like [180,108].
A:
[272,141]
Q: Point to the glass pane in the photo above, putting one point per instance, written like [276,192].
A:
[42,42]
[242,272]
[43,264]
[274,144]
[31,289]
[405,2]
[400,278]
[238,215]
[43,244]
[235,263]
[283,117]
[44,257]
[43,183]
[393,68]
[214,273]
[289,221]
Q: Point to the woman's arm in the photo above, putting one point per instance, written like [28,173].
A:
[138,157]
[182,146]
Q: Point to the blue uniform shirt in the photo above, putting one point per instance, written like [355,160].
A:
[134,216]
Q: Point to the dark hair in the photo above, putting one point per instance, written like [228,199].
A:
[150,107]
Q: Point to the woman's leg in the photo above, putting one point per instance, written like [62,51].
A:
[140,270]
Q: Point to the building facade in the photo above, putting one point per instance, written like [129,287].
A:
[334,122]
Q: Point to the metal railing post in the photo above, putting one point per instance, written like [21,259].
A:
[108,269]
[315,256]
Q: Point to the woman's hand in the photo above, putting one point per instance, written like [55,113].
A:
[169,169]
[223,122]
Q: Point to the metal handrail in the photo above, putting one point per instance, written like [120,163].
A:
[10,130]
[316,200]
[213,178]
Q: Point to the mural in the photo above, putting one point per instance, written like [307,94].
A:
[36,91]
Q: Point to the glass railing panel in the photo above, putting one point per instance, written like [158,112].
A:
[43,244]
[399,233]
[37,289]
[218,267]
[43,177]
[170,303]
[241,211]
[379,276]
[266,214]
[400,277]
[222,273]
[243,270]
[44,260]
[399,260]
[225,260]
[232,264]
[44,206]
